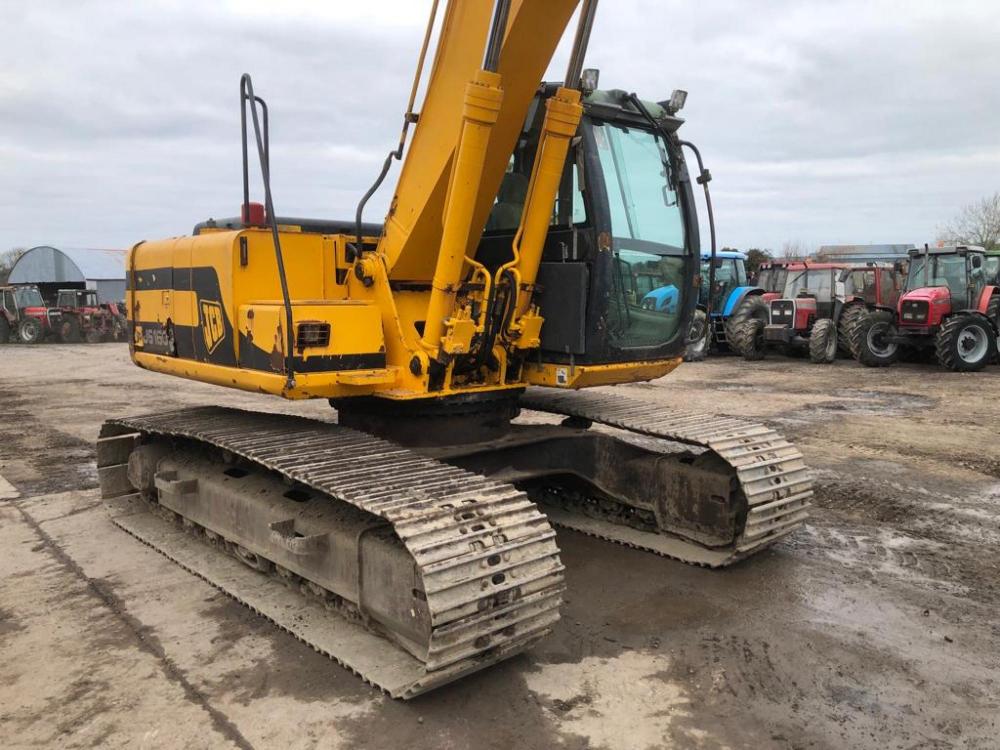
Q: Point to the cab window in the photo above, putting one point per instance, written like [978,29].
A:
[890,290]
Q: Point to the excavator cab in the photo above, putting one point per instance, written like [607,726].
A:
[621,252]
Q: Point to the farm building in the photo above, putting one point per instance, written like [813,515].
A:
[863,253]
[54,268]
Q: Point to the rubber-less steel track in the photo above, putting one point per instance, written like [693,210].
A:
[771,471]
[485,553]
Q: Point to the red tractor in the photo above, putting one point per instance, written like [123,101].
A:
[951,306]
[24,315]
[821,304]
[84,318]
[864,288]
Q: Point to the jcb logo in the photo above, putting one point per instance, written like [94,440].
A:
[212,325]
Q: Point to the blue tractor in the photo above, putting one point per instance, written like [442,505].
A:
[733,302]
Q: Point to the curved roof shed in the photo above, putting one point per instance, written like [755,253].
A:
[54,268]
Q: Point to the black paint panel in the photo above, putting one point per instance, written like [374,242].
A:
[563,300]
[252,357]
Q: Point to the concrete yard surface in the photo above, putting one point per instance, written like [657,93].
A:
[875,626]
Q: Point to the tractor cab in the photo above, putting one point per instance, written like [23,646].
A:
[730,279]
[772,277]
[85,299]
[873,285]
[23,300]
[941,281]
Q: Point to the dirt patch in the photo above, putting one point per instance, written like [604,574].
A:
[873,627]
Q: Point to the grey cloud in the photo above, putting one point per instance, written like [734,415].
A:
[824,121]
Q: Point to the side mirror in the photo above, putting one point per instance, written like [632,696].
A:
[977,261]
[719,262]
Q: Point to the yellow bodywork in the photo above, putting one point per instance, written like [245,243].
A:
[396,321]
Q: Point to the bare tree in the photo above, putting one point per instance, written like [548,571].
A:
[7,261]
[793,249]
[977,224]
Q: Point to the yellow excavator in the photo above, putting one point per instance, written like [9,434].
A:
[542,239]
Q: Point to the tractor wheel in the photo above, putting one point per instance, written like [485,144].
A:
[966,343]
[850,319]
[119,330]
[69,330]
[872,342]
[752,307]
[93,336]
[30,331]
[993,310]
[4,330]
[823,342]
[697,339]
[748,340]
[993,313]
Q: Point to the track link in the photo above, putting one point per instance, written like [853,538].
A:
[771,471]
[486,555]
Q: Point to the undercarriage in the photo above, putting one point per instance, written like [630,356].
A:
[438,559]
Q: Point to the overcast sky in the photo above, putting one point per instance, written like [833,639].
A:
[822,122]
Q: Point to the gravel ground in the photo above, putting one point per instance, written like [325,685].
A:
[875,626]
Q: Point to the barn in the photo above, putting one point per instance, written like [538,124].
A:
[55,268]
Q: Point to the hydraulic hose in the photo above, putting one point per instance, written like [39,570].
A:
[397,153]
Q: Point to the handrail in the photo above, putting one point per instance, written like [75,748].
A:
[263,153]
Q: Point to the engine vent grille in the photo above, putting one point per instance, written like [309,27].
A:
[915,311]
[312,333]
[782,311]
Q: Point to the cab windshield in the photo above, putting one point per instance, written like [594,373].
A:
[942,270]
[28,298]
[991,265]
[818,283]
[772,279]
[648,235]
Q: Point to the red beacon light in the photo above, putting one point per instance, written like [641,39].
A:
[253,215]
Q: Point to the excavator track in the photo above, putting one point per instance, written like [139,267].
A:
[771,472]
[485,556]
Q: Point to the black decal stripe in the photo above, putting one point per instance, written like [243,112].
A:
[205,285]
[204,282]
[166,278]
[154,279]
[340,362]
[252,357]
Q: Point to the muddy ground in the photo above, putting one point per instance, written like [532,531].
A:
[876,626]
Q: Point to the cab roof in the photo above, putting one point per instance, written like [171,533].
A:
[946,250]
[727,254]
